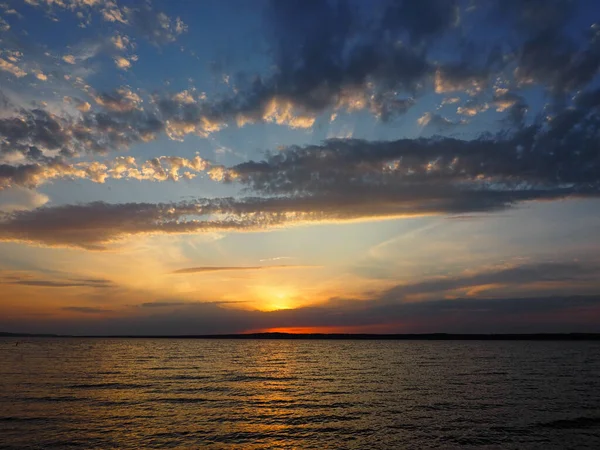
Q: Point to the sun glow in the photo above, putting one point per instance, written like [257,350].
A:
[276,298]
[280,301]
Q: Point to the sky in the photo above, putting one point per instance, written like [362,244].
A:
[380,166]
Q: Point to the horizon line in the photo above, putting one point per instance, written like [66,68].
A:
[331,336]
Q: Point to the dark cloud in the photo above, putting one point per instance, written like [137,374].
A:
[92,226]
[310,88]
[535,16]
[155,26]
[550,54]
[88,225]
[163,304]
[555,61]
[91,283]
[96,281]
[32,131]
[422,19]
[34,128]
[104,131]
[511,276]
[515,105]
[175,304]
[326,57]
[386,106]
[86,309]
[556,155]
[464,315]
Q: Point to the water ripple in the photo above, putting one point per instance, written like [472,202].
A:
[129,394]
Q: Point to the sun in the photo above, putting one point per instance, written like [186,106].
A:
[281,301]
[276,298]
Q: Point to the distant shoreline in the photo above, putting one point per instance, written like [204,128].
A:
[340,336]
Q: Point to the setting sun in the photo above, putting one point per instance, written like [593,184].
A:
[277,298]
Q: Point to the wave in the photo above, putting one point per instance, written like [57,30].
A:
[26,419]
[188,377]
[185,400]
[578,422]
[108,386]
[257,378]
[57,399]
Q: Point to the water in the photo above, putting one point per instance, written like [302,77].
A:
[138,393]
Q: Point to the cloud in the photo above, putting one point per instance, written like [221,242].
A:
[325,58]
[341,61]
[93,225]
[422,20]
[80,105]
[234,268]
[538,158]
[121,100]
[26,280]
[69,59]
[155,26]
[86,310]
[94,132]
[41,76]
[163,304]
[11,68]
[460,78]
[121,41]
[342,180]
[276,258]
[337,62]
[19,198]
[472,108]
[534,16]
[36,128]
[320,65]
[57,284]
[462,315]
[549,55]
[122,63]
[162,168]
[4,25]
[438,122]
[175,304]
[508,276]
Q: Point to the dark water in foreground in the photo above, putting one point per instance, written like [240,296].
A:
[103,393]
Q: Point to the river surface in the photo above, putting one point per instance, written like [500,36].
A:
[176,393]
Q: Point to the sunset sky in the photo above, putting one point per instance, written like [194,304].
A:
[189,167]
